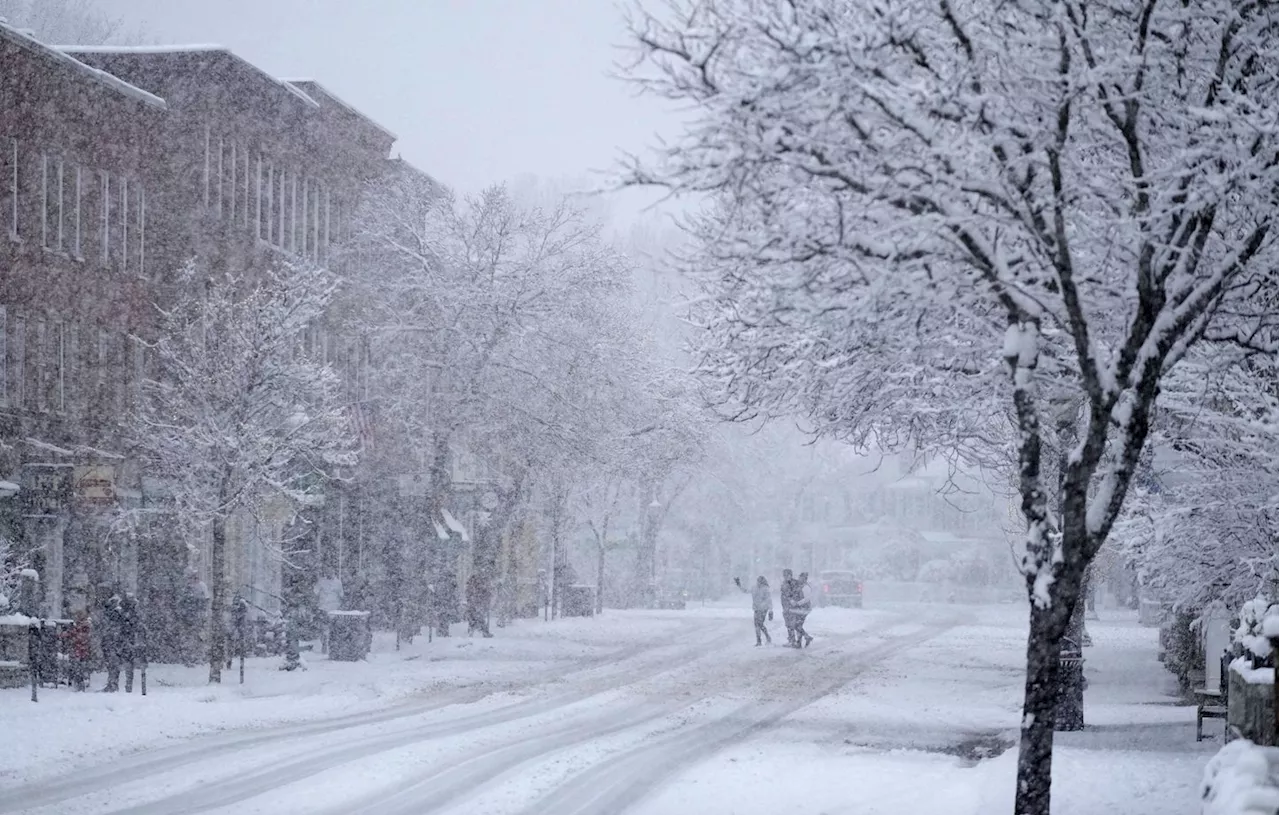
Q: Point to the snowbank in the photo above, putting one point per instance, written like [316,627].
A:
[1252,675]
[1241,780]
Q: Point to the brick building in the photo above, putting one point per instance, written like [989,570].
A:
[77,168]
[119,165]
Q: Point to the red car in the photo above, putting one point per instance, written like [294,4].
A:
[839,588]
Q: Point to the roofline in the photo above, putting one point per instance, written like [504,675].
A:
[115,83]
[188,49]
[344,105]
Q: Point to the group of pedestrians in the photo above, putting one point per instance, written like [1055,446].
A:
[121,635]
[796,597]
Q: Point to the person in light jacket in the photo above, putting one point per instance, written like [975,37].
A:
[761,606]
[804,604]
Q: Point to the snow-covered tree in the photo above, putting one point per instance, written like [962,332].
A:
[238,413]
[924,215]
[1202,524]
[66,22]
[490,321]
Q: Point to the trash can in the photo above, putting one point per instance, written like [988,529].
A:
[349,635]
[579,601]
[1069,712]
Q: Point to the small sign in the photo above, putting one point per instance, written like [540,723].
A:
[95,483]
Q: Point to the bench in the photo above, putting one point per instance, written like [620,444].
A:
[1211,703]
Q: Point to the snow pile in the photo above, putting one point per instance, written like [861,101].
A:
[1257,618]
[1241,780]
[1252,675]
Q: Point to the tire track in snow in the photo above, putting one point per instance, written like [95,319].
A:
[623,780]
[310,761]
[203,749]
[449,782]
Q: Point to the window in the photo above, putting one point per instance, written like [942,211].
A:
[206,167]
[72,369]
[59,367]
[293,212]
[245,209]
[282,208]
[257,197]
[51,196]
[124,223]
[75,214]
[221,180]
[12,177]
[38,369]
[4,357]
[305,249]
[271,204]
[327,212]
[19,357]
[102,404]
[142,229]
[105,221]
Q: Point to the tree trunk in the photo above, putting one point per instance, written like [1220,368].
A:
[217,598]
[600,550]
[1035,752]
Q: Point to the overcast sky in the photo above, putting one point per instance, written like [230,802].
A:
[478,91]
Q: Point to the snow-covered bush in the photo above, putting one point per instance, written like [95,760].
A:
[1250,634]
[1241,780]
[11,568]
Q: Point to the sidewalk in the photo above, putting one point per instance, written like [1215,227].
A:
[1138,752]
[933,731]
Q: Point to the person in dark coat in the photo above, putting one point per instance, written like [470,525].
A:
[478,597]
[79,639]
[133,639]
[113,640]
[788,596]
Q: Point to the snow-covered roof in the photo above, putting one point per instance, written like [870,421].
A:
[313,88]
[149,50]
[56,54]
[141,49]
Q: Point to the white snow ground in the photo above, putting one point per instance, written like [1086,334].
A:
[905,709]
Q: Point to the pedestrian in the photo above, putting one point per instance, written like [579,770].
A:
[478,596]
[133,638]
[803,605]
[113,640]
[788,594]
[761,606]
[79,638]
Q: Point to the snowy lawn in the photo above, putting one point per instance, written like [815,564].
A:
[929,731]
[66,729]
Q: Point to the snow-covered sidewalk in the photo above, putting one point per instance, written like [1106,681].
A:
[933,731]
[65,730]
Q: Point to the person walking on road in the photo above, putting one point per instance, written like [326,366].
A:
[761,606]
[788,594]
[803,605]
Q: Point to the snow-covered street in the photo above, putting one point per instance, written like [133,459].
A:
[907,708]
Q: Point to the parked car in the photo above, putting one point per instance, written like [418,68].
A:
[674,599]
[839,588]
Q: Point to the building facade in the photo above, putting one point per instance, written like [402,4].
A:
[118,166]
[78,163]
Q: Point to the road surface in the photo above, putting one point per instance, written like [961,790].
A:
[595,740]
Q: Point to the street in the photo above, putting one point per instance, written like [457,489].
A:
[911,707]
[620,727]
